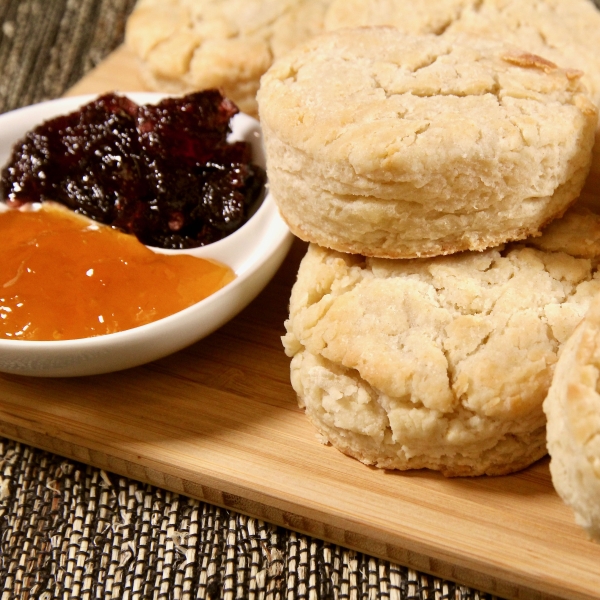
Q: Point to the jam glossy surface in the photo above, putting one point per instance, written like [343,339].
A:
[164,172]
[64,277]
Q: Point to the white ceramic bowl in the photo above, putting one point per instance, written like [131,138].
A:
[254,252]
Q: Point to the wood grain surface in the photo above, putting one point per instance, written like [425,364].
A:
[219,422]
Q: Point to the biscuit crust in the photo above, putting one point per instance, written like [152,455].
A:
[401,146]
[562,31]
[439,363]
[573,411]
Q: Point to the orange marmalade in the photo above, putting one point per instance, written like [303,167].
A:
[64,277]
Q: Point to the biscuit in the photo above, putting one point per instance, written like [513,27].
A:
[399,146]
[187,45]
[440,363]
[573,411]
[566,32]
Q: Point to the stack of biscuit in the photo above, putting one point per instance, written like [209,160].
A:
[431,154]
[428,313]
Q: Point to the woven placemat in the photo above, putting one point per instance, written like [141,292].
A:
[46,46]
[68,530]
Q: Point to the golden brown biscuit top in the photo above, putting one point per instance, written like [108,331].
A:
[563,31]
[394,105]
[474,331]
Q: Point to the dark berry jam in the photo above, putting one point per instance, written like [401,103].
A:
[163,172]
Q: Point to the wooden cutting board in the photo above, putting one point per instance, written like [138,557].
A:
[219,422]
